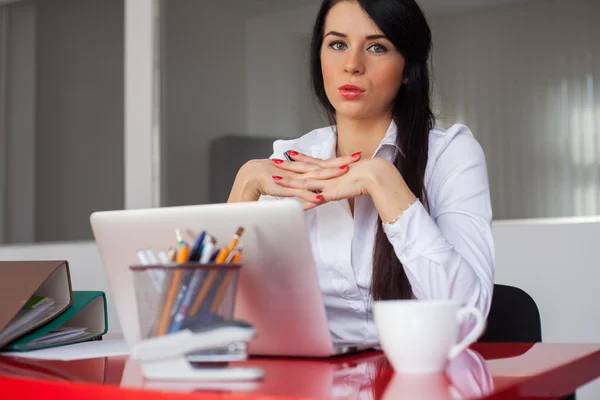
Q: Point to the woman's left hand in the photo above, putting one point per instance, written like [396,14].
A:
[352,184]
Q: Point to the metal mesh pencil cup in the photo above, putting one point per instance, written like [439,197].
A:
[179,296]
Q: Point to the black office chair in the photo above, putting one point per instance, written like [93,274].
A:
[514,317]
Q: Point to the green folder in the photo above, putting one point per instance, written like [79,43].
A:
[85,319]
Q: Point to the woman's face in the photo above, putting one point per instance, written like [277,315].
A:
[362,70]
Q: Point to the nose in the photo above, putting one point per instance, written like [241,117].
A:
[354,63]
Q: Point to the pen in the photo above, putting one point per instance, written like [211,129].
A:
[212,275]
[197,248]
[163,257]
[235,258]
[208,250]
[151,257]
[172,254]
[156,275]
[288,157]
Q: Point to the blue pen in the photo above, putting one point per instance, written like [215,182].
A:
[192,289]
[179,317]
[197,248]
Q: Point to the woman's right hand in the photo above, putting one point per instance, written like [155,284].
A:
[256,177]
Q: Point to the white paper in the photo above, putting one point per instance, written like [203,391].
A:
[78,351]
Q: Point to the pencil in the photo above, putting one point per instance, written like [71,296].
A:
[212,275]
[226,250]
[175,287]
[165,316]
[225,283]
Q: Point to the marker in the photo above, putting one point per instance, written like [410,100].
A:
[141,254]
[163,257]
[197,248]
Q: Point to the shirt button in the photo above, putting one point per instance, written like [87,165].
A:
[408,251]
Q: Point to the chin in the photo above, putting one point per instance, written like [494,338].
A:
[354,110]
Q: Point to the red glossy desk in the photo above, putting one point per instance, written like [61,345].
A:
[494,371]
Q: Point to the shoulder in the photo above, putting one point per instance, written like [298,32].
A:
[457,139]
[453,145]
[312,143]
[456,165]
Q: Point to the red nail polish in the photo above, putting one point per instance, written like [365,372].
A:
[343,167]
[292,153]
[320,198]
[277,161]
[357,154]
[277,177]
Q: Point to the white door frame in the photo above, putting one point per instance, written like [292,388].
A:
[142,103]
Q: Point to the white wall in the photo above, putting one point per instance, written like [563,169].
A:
[525,77]
[79,146]
[204,91]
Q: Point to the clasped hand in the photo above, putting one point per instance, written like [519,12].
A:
[314,180]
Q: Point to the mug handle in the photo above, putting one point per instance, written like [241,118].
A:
[473,335]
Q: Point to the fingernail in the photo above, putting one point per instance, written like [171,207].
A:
[357,154]
[292,153]
[277,177]
[344,167]
[320,198]
[277,161]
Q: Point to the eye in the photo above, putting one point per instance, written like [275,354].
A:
[338,45]
[377,48]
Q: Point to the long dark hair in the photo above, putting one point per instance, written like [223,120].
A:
[405,25]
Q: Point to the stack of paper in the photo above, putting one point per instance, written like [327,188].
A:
[34,312]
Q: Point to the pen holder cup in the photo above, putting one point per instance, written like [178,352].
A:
[180,296]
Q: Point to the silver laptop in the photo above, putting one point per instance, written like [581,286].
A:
[278,294]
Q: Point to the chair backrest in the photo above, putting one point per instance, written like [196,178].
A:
[513,317]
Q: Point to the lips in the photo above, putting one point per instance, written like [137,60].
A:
[351,92]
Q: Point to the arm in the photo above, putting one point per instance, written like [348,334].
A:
[450,254]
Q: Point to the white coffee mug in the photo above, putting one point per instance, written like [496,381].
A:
[421,336]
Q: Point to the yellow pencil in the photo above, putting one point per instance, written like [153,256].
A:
[182,257]
[212,275]
[165,316]
[226,280]
[222,256]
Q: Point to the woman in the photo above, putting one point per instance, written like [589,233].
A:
[396,207]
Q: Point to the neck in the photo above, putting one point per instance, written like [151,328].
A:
[362,135]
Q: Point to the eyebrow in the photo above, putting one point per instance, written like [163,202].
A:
[343,35]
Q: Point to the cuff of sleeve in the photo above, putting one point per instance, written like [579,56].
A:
[412,233]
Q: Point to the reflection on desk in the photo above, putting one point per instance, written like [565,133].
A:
[367,376]
[519,370]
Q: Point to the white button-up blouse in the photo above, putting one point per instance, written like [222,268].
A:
[447,253]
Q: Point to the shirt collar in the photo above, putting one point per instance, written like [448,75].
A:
[389,140]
